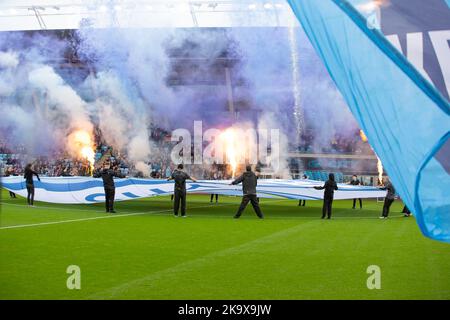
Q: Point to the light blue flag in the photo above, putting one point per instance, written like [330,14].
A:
[406,120]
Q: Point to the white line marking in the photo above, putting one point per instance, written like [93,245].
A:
[93,218]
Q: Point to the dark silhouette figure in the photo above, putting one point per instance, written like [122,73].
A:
[179,191]
[389,199]
[302,202]
[28,176]
[249,181]
[329,186]
[355,182]
[107,174]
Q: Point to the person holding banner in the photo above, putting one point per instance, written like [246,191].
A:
[355,182]
[249,182]
[180,178]
[107,174]
[28,176]
[389,199]
[328,195]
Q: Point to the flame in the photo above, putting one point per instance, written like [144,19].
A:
[372,5]
[363,136]
[380,171]
[81,141]
[229,137]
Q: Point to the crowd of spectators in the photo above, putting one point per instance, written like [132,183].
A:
[159,164]
[337,144]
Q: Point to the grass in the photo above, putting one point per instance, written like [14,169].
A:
[146,253]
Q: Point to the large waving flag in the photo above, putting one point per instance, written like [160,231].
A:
[406,119]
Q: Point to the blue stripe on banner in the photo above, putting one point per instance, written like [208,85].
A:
[92,197]
[159,191]
[79,186]
[130,195]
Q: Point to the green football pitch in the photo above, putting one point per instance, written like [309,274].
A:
[143,252]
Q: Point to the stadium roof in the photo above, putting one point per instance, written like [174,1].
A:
[73,14]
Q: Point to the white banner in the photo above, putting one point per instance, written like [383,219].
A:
[90,190]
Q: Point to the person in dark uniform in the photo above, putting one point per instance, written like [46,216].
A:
[12,195]
[355,182]
[406,211]
[212,197]
[179,191]
[302,202]
[28,176]
[214,176]
[249,181]
[328,195]
[107,174]
[389,199]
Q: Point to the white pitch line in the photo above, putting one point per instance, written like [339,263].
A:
[52,208]
[94,218]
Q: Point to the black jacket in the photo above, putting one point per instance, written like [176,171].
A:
[107,176]
[180,178]
[390,191]
[28,176]
[249,181]
[329,187]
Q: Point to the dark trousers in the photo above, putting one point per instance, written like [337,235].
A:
[387,206]
[12,194]
[180,197]
[30,194]
[255,204]
[109,199]
[212,197]
[406,210]
[301,202]
[326,209]
[354,203]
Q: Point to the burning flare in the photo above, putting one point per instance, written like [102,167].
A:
[229,138]
[379,164]
[363,136]
[380,171]
[371,5]
[80,141]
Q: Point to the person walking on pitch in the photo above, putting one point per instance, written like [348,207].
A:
[328,195]
[179,191]
[249,181]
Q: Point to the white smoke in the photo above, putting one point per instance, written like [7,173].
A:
[9,59]
[123,123]
[278,158]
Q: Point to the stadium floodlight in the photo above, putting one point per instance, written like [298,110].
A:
[252,6]
[268,6]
